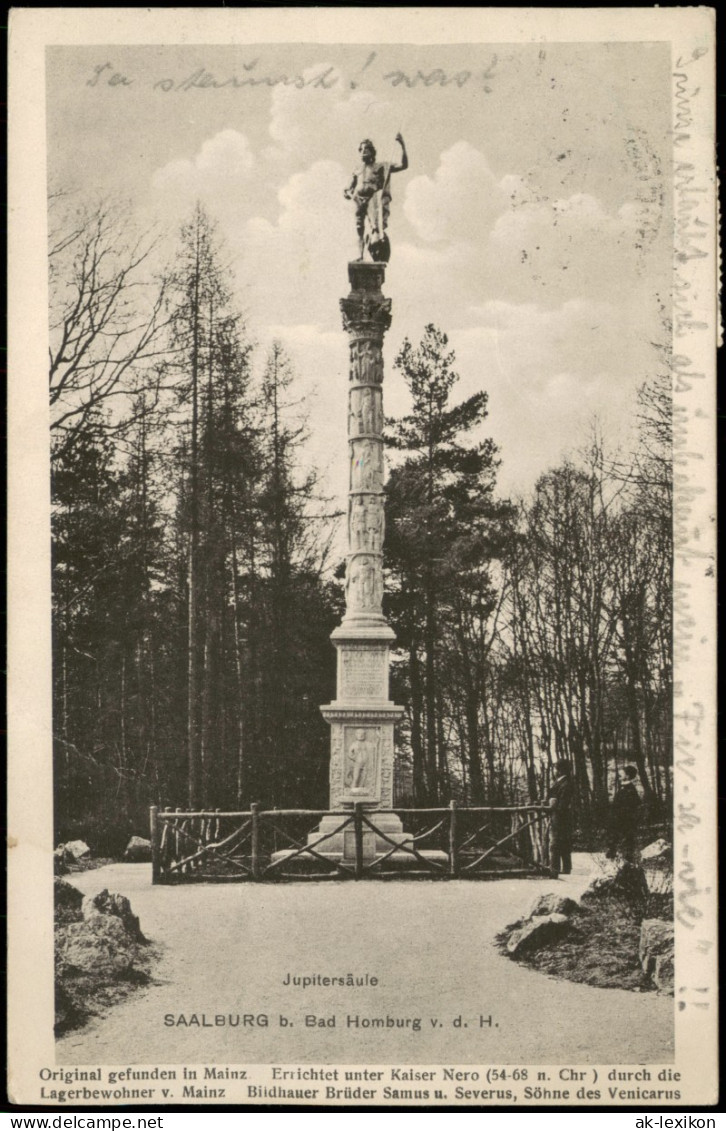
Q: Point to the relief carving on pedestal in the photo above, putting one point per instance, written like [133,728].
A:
[362,760]
[336,765]
[387,782]
[386,773]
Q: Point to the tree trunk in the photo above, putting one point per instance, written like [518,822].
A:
[193,583]
[241,782]
[430,696]
[420,771]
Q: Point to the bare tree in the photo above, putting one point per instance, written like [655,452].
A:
[106,317]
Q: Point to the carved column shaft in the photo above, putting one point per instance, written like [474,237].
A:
[366,317]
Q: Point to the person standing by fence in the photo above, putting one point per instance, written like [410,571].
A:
[560,803]
[625,814]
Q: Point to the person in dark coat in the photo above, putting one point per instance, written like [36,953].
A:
[624,819]
[560,803]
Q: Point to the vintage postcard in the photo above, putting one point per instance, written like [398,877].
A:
[362,576]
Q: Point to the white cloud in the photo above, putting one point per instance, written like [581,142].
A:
[569,247]
[462,195]
[313,123]
[297,261]
[548,372]
[581,340]
[513,243]
[215,174]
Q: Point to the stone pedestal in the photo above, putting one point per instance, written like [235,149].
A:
[362,718]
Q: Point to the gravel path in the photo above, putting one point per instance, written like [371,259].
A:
[227,949]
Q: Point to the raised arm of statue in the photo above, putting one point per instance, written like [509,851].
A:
[404,156]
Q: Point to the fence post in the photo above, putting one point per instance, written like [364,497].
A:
[552,861]
[255,811]
[535,837]
[165,842]
[154,834]
[453,862]
[358,826]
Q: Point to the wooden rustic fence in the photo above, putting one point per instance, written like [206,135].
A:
[257,845]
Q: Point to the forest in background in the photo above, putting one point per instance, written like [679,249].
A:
[195,583]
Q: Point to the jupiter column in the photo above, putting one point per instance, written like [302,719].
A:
[362,717]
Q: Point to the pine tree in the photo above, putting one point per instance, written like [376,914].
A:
[293,615]
[444,527]
[211,361]
[95,580]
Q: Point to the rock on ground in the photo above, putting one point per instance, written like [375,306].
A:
[78,849]
[656,937]
[62,859]
[111,903]
[552,904]
[539,931]
[659,850]
[138,850]
[100,946]
[67,901]
[663,973]
[623,883]
[656,952]
[547,921]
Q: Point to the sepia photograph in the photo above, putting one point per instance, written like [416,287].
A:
[362,603]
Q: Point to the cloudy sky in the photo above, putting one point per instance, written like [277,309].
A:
[533,223]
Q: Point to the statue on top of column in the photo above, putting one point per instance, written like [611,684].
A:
[370,188]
